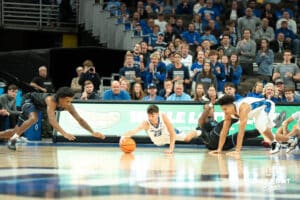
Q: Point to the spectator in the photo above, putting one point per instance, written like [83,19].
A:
[179,26]
[198,93]
[129,71]
[88,92]
[291,23]
[42,82]
[140,8]
[75,86]
[289,93]
[159,45]
[235,71]
[247,22]
[161,22]
[187,58]
[211,10]
[137,92]
[152,94]
[257,90]
[167,90]
[125,85]
[196,69]
[226,45]
[264,59]
[8,109]
[198,5]
[197,23]
[289,36]
[184,8]
[191,36]
[89,73]
[210,37]
[256,11]
[156,71]
[179,72]
[230,89]
[287,71]
[168,7]
[115,93]
[206,77]
[268,12]
[264,31]
[179,94]
[211,95]
[269,92]
[246,49]
[279,45]
[170,34]
[218,70]
[279,90]
[234,12]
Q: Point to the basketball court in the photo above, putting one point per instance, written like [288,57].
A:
[39,170]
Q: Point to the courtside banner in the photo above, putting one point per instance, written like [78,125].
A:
[115,118]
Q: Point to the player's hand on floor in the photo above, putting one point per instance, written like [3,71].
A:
[98,135]
[69,137]
[169,152]
[215,152]
[234,154]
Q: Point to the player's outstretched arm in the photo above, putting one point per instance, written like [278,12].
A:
[142,126]
[83,123]
[172,133]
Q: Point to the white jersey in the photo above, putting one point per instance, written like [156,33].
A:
[296,116]
[159,135]
[262,112]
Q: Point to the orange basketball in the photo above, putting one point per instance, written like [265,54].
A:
[128,145]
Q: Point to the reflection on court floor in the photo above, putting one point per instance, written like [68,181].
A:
[103,172]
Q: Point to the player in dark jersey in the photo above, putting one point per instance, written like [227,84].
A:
[209,130]
[35,102]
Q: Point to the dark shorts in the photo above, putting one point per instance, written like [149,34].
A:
[27,108]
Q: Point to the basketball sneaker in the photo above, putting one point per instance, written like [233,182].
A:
[275,147]
[279,119]
[11,144]
[292,143]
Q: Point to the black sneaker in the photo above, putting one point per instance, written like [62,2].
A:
[279,119]
[11,144]
[275,147]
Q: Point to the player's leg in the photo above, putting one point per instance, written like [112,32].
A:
[6,134]
[231,140]
[28,117]
[191,135]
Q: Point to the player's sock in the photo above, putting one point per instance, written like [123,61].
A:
[198,133]
[15,136]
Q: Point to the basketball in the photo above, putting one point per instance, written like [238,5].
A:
[128,145]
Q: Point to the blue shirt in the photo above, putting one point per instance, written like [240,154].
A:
[157,98]
[183,97]
[109,95]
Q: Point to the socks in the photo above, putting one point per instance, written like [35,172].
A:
[198,133]
[15,136]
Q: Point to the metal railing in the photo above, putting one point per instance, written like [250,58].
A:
[35,16]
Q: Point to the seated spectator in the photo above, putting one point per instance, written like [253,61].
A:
[42,82]
[167,90]
[88,92]
[269,92]
[125,85]
[226,45]
[264,59]
[152,94]
[235,71]
[170,34]
[289,36]
[8,109]
[199,93]
[179,72]
[197,23]
[168,7]
[198,5]
[264,32]
[89,73]
[191,36]
[179,26]
[113,6]
[211,95]
[279,45]
[206,77]
[196,69]
[291,23]
[207,35]
[256,11]
[137,92]
[156,71]
[184,8]
[129,71]
[179,94]
[218,70]
[230,89]
[75,86]
[159,45]
[289,93]
[287,71]
[211,10]
[187,58]
[115,93]
[279,90]
[257,90]
[234,12]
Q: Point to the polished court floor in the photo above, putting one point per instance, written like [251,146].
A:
[42,170]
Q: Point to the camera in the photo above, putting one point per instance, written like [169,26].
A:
[91,69]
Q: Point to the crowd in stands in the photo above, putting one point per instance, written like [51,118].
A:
[199,44]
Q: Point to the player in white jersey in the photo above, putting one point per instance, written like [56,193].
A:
[160,130]
[283,135]
[262,111]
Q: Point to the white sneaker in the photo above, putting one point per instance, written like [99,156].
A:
[292,145]
[275,147]
[22,140]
